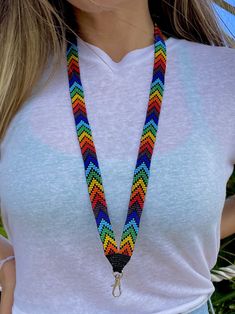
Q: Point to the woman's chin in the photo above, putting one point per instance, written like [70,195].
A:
[95,6]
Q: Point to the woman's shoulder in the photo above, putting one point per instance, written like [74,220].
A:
[219,53]
[216,61]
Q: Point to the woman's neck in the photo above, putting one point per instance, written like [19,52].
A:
[118,31]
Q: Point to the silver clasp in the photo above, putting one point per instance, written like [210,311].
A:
[117,283]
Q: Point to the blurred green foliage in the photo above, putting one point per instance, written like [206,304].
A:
[223,298]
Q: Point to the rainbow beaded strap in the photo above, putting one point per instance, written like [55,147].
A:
[118,258]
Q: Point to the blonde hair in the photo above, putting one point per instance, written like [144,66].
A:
[33,30]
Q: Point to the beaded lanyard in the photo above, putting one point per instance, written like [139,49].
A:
[118,258]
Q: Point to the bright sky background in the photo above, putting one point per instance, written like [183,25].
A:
[227,18]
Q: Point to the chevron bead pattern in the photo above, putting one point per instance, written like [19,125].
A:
[117,257]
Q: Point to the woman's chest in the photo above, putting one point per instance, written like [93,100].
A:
[43,176]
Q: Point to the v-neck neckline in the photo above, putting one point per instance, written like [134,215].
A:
[131,58]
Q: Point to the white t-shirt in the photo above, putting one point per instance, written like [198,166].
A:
[45,205]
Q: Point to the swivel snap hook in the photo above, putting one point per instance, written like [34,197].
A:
[117,284]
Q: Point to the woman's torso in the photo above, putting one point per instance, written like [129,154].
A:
[60,265]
